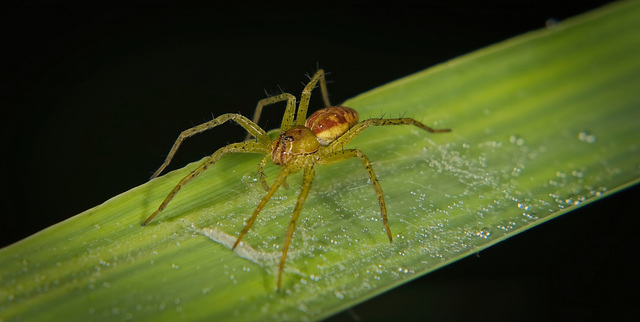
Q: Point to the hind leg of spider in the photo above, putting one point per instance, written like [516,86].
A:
[251,127]
[358,128]
[244,147]
[352,153]
[306,186]
[279,180]
[289,112]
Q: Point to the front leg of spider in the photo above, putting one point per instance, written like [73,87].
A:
[293,150]
[301,145]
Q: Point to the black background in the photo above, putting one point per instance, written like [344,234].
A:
[93,97]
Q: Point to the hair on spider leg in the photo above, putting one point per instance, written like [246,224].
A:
[269,94]
[266,124]
[310,77]
[314,86]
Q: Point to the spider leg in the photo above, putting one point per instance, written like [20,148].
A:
[289,112]
[356,129]
[301,115]
[351,153]
[263,178]
[251,127]
[309,172]
[244,147]
[281,177]
[324,91]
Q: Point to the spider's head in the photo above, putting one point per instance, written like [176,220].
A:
[295,141]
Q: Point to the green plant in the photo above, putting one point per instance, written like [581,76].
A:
[542,124]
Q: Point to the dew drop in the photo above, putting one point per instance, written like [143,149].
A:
[551,23]
[249,177]
[514,139]
[586,136]
[484,233]
[516,172]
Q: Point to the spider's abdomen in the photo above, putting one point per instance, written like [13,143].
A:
[295,141]
[330,123]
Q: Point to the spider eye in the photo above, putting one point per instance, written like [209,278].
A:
[288,138]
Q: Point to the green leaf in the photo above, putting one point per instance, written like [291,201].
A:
[542,124]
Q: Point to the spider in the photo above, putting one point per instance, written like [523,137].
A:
[302,143]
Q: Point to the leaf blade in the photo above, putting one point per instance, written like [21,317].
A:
[532,140]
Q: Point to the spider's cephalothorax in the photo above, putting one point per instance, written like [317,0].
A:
[301,145]
[296,141]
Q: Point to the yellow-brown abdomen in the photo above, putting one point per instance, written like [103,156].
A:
[330,123]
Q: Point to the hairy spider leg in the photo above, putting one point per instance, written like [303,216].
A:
[305,97]
[356,129]
[261,165]
[243,147]
[279,180]
[289,112]
[307,179]
[251,127]
[263,177]
[352,153]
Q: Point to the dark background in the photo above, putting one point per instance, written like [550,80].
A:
[93,97]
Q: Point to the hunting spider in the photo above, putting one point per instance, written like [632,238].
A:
[302,143]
